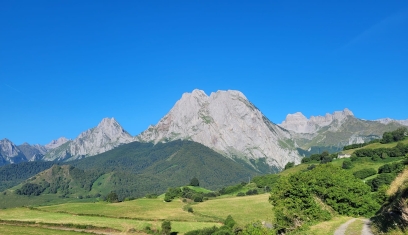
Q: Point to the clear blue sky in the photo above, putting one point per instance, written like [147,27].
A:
[65,65]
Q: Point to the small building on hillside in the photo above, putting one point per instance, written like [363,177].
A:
[343,155]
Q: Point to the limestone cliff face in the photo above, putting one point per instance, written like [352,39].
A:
[9,153]
[226,122]
[106,136]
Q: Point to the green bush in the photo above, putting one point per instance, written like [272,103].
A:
[166,227]
[347,164]
[295,197]
[229,221]
[364,173]
[380,180]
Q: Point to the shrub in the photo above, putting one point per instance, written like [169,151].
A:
[240,194]
[381,179]
[289,165]
[166,227]
[194,182]
[364,173]
[347,164]
[198,198]
[112,197]
[229,221]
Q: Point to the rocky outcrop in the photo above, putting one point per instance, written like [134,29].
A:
[106,136]
[298,123]
[389,120]
[226,122]
[9,153]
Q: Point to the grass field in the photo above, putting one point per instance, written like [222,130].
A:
[143,209]
[138,214]
[26,230]
[376,146]
[13,200]
[242,209]
[123,225]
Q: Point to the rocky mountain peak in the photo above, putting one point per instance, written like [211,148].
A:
[226,122]
[56,143]
[9,152]
[107,135]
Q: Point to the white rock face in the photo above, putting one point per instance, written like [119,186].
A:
[56,143]
[389,120]
[298,123]
[9,153]
[106,136]
[226,122]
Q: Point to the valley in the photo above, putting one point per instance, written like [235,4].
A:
[202,170]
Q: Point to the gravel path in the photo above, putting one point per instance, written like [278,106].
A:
[365,231]
[342,229]
[366,228]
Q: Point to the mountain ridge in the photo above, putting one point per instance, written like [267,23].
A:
[227,122]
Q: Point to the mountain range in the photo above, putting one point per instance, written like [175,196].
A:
[225,121]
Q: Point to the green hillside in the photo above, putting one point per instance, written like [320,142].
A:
[13,174]
[131,170]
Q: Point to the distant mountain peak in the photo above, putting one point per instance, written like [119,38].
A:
[107,135]
[226,122]
[9,152]
[56,143]
[390,120]
[298,123]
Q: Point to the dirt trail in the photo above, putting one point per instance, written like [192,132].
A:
[342,229]
[365,231]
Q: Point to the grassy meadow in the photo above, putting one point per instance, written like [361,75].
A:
[138,214]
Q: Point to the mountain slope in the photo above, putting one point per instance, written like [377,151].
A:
[9,153]
[228,123]
[333,131]
[389,120]
[106,136]
[135,170]
[32,152]
[175,163]
[56,143]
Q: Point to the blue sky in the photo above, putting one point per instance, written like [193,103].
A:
[65,65]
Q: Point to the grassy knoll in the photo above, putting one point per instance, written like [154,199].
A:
[376,146]
[199,189]
[124,225]
[28,230]
[242,209]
